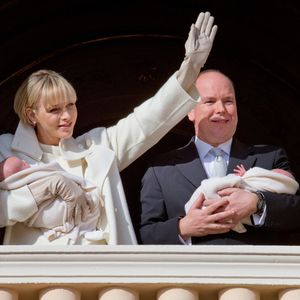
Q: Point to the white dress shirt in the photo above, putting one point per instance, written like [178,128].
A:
[207,158]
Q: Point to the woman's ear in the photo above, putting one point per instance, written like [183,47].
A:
[30,113]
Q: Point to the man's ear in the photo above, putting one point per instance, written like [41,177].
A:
[191,115]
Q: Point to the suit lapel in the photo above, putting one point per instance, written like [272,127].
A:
[189,164]
[240,154]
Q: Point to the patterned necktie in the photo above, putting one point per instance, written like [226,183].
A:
[219,164]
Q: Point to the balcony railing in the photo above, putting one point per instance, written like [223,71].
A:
[150,272]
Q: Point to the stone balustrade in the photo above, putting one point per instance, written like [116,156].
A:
[150,273]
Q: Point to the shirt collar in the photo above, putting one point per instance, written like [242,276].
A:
[203,148]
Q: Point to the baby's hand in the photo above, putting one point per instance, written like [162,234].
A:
[239,170]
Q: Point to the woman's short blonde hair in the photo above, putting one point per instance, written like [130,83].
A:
[46,84]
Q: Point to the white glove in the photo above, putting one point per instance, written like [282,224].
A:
[78,203]
[197,49]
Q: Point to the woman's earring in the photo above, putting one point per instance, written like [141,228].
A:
[33,123]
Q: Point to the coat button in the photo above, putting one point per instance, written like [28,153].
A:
[88,142]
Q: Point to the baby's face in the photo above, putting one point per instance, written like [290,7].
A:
[283,172]
[23,165]
[13,165]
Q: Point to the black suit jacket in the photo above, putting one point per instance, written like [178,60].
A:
[169,183]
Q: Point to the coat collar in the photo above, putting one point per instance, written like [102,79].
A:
[25,141]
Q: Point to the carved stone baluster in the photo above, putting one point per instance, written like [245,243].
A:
[59,293]
[238,294]
[177,294]
[8,294]
[289,294]
[113,293]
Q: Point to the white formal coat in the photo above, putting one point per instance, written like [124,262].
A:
[98,155]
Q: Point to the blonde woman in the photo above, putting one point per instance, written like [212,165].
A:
[46,106]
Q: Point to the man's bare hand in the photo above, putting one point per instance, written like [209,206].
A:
[201,221]
[241,201]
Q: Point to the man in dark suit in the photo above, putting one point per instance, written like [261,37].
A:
[169,183]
